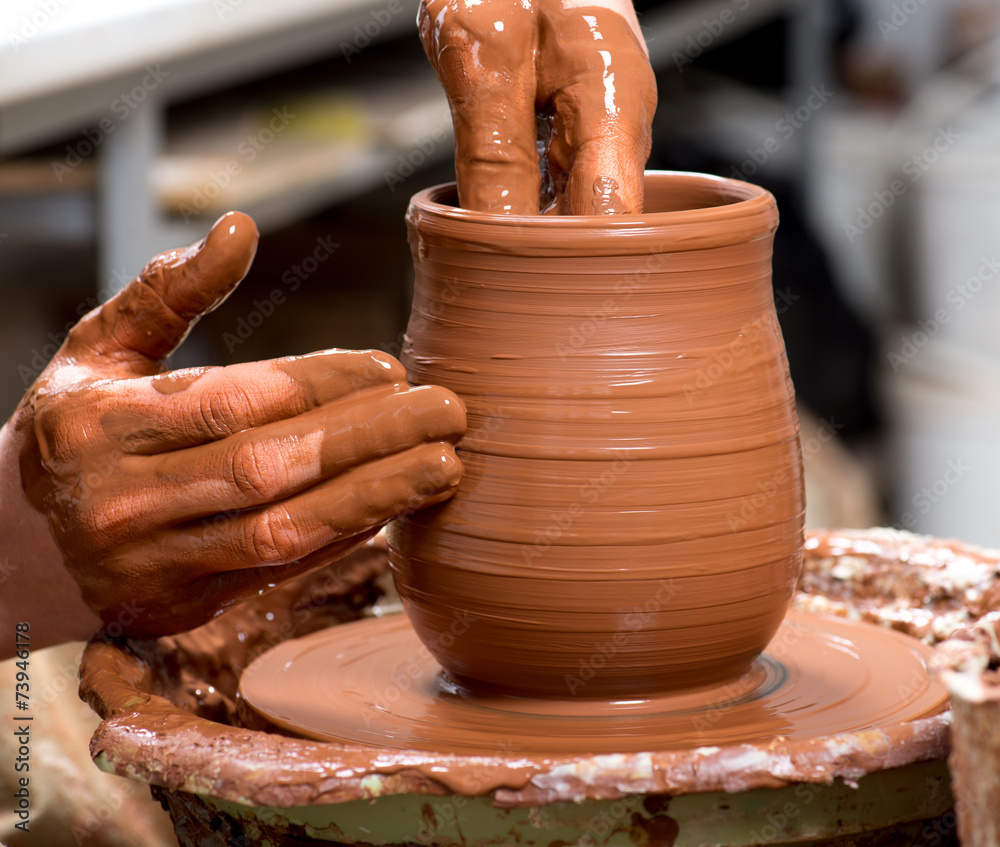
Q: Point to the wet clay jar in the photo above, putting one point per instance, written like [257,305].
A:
[630,518]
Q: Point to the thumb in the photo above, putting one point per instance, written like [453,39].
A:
[142,324]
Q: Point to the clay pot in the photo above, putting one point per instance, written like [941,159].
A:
[630,518]
[226,785]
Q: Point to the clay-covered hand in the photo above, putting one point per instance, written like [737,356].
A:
[172,494]
[569,78]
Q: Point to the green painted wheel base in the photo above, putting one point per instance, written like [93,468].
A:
[903,806]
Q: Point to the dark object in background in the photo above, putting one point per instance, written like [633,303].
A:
[831,351]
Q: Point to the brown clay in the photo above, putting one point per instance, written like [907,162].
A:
[168,705]
[926,587]
[630,518]
[569,79]
[171,495]
[372,682]
[967,663]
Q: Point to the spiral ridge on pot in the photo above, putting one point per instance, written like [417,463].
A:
[631,512]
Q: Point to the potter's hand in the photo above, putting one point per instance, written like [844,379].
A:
[170,495]
[574,74]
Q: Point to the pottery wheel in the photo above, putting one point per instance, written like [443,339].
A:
[372,682]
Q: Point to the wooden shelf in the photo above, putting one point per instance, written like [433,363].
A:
[278,168]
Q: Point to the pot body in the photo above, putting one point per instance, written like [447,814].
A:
[630,517]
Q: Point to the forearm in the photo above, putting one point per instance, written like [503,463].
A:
[35,587]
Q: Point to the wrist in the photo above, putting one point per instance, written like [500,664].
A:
[35,586]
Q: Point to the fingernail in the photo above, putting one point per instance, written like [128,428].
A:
[443,475]
[233,222]
[606,200]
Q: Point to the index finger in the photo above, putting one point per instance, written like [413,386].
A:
[142,324]
[483,55]
[179,409]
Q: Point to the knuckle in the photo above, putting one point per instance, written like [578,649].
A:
[47,424]
[79,333]
[446,397]
[451,406]
[436,394]
[383,366]
[254,474]
[223,412]
[101,522]
[367,368]
[273,538]
[152,273]
[443,469]
[61,432]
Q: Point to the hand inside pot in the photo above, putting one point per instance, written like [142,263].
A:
[170,495]
[567,79]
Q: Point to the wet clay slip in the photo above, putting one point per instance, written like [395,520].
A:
[552,102]
[630,516]
[170,705]
[371,682]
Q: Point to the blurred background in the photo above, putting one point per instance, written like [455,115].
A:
[127,127]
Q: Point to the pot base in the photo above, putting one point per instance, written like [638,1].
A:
[372,682]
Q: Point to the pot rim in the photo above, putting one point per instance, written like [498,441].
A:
[749,213]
